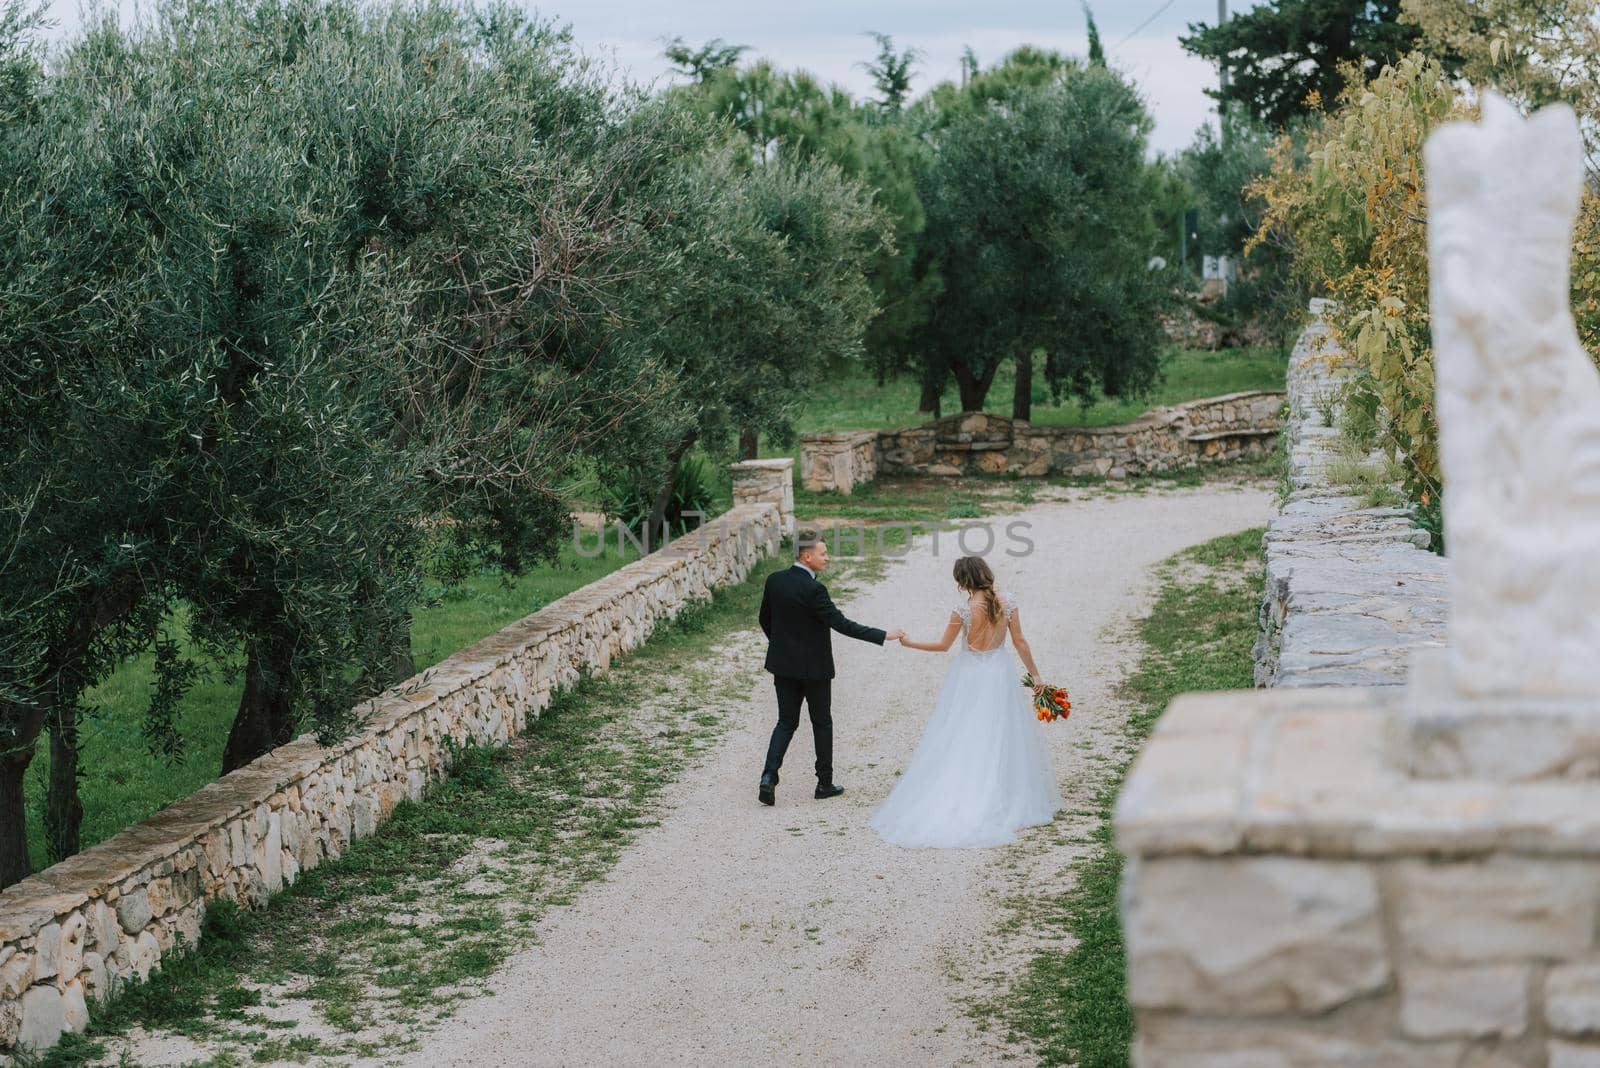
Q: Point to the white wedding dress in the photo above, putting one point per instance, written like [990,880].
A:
[981,770]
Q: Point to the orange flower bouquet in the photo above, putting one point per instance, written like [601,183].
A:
[1050,703]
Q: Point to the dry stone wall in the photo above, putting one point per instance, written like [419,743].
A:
[74,932]
[1350,590]
[1213,430]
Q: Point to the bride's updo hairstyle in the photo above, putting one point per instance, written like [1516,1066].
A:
[974,576]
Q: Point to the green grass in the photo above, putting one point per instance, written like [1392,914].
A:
[852,399]
[1070,1005]
[123,783]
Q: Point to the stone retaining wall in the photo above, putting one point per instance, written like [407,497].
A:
[1212,430]
[73,932]
[1350,590]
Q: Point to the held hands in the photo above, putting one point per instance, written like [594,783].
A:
[893,635]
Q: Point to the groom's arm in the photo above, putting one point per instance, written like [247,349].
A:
[765,615]
[829,613]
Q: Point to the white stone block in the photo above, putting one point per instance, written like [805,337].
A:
[159,893]
[47,945]
[1464,1002]
[270,857]
[69,950]
[1500,909]
[144,955]
[1359,1042]
[16,974]
[1252,935]
[105,933]
[10,1024]
[96,978]
[1573,1055]
[133,911]
[74,1007]
[44,1018]
[1572,999]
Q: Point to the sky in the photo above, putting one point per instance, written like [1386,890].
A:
[829,39]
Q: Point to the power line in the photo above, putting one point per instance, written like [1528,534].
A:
[1155,15]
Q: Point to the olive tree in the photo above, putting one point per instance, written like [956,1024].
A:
[1040,229]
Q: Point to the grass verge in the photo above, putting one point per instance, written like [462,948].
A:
[1070,1005]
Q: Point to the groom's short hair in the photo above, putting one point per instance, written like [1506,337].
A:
[805,538]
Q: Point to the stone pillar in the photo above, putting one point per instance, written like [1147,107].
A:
[766,481]
[1410,875]
[839,462]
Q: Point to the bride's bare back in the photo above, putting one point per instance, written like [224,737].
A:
[983,633]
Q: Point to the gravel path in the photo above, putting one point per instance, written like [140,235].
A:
[734,933]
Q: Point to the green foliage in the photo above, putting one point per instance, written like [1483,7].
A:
[1097,51]
[1220,166]
[701,63]
[1353,211]
[769,285]
[1534,52]
[891,73]
[1222,170]
[693,496]
[293,291]
[789,116]
[1040,231]
[1286,57]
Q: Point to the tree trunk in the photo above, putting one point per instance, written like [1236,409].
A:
[265,719]
[930,398]
[63,812]
[656,523]
[748,445]
[14,865]
[1022,395]
[402,665]
[974,388]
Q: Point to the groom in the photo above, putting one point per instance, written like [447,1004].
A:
[796,614]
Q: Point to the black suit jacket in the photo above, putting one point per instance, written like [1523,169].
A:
[797,614]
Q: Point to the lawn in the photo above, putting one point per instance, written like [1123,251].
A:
[123,783]
[853,400]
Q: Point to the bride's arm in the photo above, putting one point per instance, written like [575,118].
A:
[943,643]
[1023,649]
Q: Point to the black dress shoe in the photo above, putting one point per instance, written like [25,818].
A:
[766,794]
[830,790]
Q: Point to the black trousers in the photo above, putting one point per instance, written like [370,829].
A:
[818,698]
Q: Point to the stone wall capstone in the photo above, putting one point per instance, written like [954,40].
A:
[1213,430]
[75,931]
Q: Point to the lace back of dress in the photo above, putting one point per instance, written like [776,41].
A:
[982,634]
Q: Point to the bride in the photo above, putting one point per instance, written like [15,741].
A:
[981,770]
